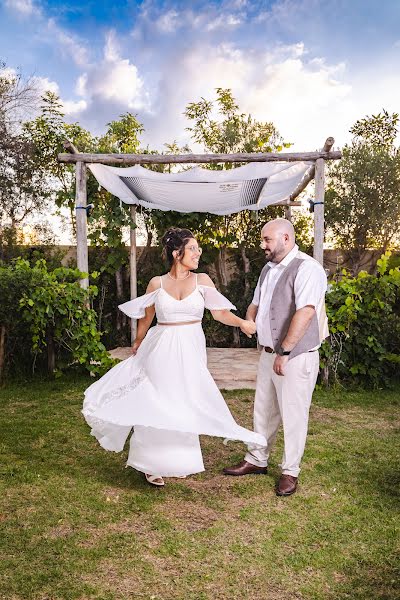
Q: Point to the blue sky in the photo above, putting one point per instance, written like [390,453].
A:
[311,66]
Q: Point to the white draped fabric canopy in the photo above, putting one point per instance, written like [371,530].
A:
[252,187]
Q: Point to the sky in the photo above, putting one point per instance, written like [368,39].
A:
[312,67]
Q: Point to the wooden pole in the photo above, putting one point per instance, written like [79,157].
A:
[165,159]
[319,210]
[82,259]
[311,173]
[133,271]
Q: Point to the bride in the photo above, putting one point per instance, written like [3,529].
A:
[165,391]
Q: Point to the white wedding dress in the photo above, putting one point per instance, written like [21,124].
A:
[165,392]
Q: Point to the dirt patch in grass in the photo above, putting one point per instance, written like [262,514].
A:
[114,579]
[60,531]
[189,516]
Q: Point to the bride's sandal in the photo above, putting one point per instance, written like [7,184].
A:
[156,480]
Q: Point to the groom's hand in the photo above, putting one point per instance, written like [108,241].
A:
[248,327]
[280,363]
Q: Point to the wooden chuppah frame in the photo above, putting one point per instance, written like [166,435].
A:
[82,159]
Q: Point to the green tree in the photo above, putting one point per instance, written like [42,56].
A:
[364,323]
[109,219]
[47,133]
[17,94]
[45,312]
[362,198]
[23,190]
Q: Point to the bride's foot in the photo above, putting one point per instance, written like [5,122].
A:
[154,480]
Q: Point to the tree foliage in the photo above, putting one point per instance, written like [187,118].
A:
[233,131]
[18,96]
[364,322]
[362,199]
[46,312]
[23,189]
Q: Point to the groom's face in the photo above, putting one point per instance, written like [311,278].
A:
[273,244]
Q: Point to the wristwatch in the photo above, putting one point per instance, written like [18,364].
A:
[282,352]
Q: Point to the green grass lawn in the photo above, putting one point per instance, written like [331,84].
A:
[74,523]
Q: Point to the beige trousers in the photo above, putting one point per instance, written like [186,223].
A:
[283,399]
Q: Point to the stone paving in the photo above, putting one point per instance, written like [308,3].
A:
[232,368]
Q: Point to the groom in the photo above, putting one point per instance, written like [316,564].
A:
[289,309]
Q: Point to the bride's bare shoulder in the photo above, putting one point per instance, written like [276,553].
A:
[153,285]
[204,279]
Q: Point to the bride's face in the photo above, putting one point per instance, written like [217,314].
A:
[191,256]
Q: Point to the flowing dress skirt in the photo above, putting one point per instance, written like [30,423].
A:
[169,397]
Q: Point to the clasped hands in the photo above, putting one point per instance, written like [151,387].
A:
[248,327]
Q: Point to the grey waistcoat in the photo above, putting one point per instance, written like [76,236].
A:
[283,307]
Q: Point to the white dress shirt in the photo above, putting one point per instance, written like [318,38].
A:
[309,290]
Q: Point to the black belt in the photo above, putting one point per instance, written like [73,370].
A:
[271,350]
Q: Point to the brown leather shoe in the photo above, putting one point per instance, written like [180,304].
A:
[245,468]
[287,485]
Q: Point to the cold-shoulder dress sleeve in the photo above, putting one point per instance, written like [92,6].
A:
[136,309]
[214,300]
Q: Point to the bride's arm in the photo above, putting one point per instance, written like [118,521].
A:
[144,323]
[225,316]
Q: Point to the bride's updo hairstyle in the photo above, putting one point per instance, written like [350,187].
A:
[175,239]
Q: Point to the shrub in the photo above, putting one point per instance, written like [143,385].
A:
[364,321]
[44,310]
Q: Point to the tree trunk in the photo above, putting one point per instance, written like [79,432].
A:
[358,259]
[236,337]
[143,256]
[2,351]
[119,281]
[221,268]
[246,270]
[325,376]
[51,352]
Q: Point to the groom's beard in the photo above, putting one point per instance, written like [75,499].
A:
[276,255]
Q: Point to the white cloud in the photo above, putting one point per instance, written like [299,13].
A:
[207,20]
[72,107]
[288,14]
[111,47]
[224,21]
[305,98]
[43,84]
[168,22]
[23,7]
[68,45]
[108,88]
[305,102]
[8,73]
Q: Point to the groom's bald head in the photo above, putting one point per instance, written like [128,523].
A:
[282,226]
[277,239]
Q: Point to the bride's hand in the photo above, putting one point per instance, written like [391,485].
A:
[135,345]
[248,327]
